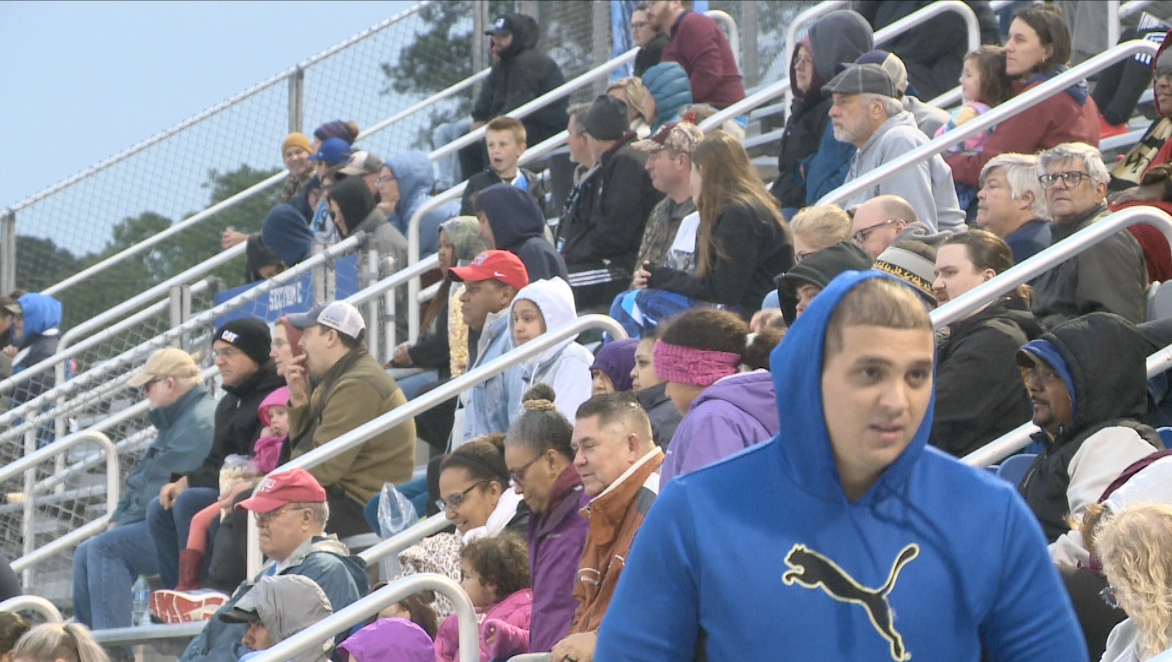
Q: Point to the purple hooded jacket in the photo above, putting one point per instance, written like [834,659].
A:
[556,538]
[734,413]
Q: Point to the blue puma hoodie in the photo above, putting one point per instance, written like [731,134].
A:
[761,556]
[518,226]
[41,319]
[414,175]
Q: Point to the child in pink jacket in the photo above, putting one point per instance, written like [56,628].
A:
[496,578]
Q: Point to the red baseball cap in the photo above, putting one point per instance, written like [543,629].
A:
[276,490]
[501,265]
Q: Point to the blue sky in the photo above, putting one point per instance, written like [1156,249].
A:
[82,81]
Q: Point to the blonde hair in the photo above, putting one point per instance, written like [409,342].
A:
[1134,547]
[510,124]
[48,642]
[821,226]
[635,92]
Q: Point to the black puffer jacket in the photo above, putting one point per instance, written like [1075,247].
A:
[1106,357]
[979,392]
[840,36]
[522,75]
[237,424]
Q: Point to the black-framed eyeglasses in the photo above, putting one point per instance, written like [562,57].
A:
[861,236]
[225,353]
[453,502]
[635,25]
[1110,596]
[145,388]
[1072,178]
[517,476]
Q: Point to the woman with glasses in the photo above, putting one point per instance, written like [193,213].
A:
[1037,50]
[541,465]
[1136,549]
[475,492]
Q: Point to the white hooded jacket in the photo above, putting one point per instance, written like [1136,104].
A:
[565,366]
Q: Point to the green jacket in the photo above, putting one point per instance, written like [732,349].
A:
[354,391]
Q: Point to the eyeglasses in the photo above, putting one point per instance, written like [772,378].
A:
[264,518]
[636,25]
[798,257]
[517,476]
[804,60]
[1045,375]
[1110,596]
[225,353]
[146,388]
[1072,178]
[453,502]
[385,179]
[861,236]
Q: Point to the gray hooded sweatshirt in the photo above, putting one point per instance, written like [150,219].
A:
[285,605]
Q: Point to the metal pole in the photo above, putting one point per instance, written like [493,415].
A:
[26,528]
[175,309]
[33,603]
[750,68]
[600,38]
[368,276]
[7,252]
[319,277]
[296,99]
[479,44]
[184,315]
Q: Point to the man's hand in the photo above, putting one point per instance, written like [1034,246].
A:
[574,648]
[229,496]
[402,356]
[230,238]
[10,350]
[169,491]
[642,277]
[298,382]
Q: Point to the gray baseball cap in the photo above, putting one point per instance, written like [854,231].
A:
[862,79]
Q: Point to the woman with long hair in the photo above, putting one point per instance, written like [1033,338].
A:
[741,243]
[1135,546]
[1038,49]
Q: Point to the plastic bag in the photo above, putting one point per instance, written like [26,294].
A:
[234,469]
[395,511]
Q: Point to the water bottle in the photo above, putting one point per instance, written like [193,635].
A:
[140,600]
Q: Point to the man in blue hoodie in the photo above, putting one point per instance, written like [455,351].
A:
[412,179]
[510,220]
[844,537]
[36,319]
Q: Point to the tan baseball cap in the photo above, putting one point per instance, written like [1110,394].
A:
[168,362]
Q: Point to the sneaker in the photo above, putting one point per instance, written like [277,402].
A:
[1107,130]
[186,606]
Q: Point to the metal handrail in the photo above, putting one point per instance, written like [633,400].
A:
[66,351]
[897,28]
[32,603]
[129,355]
[140,633]
[986,120]
[247,193]
[356,612]
[1019,437]
[30,461]
[404,539]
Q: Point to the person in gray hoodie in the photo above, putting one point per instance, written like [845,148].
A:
[406,183]
[887,219]
[866,112]
[510,220]
[279,607]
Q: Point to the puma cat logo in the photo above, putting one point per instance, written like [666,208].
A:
[813,570]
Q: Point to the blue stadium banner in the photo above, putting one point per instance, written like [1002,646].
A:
[295,296]
[620,29]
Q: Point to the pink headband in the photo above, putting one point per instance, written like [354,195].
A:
[688,365]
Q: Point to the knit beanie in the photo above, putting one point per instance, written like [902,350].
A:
[249,335]
[295,139]
[607,118]
[335,129]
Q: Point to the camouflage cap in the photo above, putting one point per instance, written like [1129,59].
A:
[680,137]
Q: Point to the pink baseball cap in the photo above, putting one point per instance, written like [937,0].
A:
[278,489]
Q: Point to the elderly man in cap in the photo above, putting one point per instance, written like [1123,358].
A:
[241,351]
[291,512]
[599,234]
[867,113]
[349,388]
[365,165]
[105,566]
[279,607]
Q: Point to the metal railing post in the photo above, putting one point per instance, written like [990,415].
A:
[7,251]
[296,99]
[319,277]
[600,37]
[175,307]
[368,275]
[750,67]
[33,603]
[479,43]
[27,509]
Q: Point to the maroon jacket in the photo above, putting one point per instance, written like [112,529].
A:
[556,538]
[699,45]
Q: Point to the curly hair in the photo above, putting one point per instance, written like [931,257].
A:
[1133,546]
[501,562]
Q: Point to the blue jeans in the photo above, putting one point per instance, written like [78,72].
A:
[412,383]
[104,569]
[169,528]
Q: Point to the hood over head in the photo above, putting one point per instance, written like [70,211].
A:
[838,38]
[796,367]
[41,313]
[389,640]
[277,397]
[466,241]
[816,81]
[354,200]
[525,34]
[1163,58]
[617,360]
[413,173]
[818,269]
[287,233]
[750,392]
[512,214]
[1107,385]
[286,605]
[555,300]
